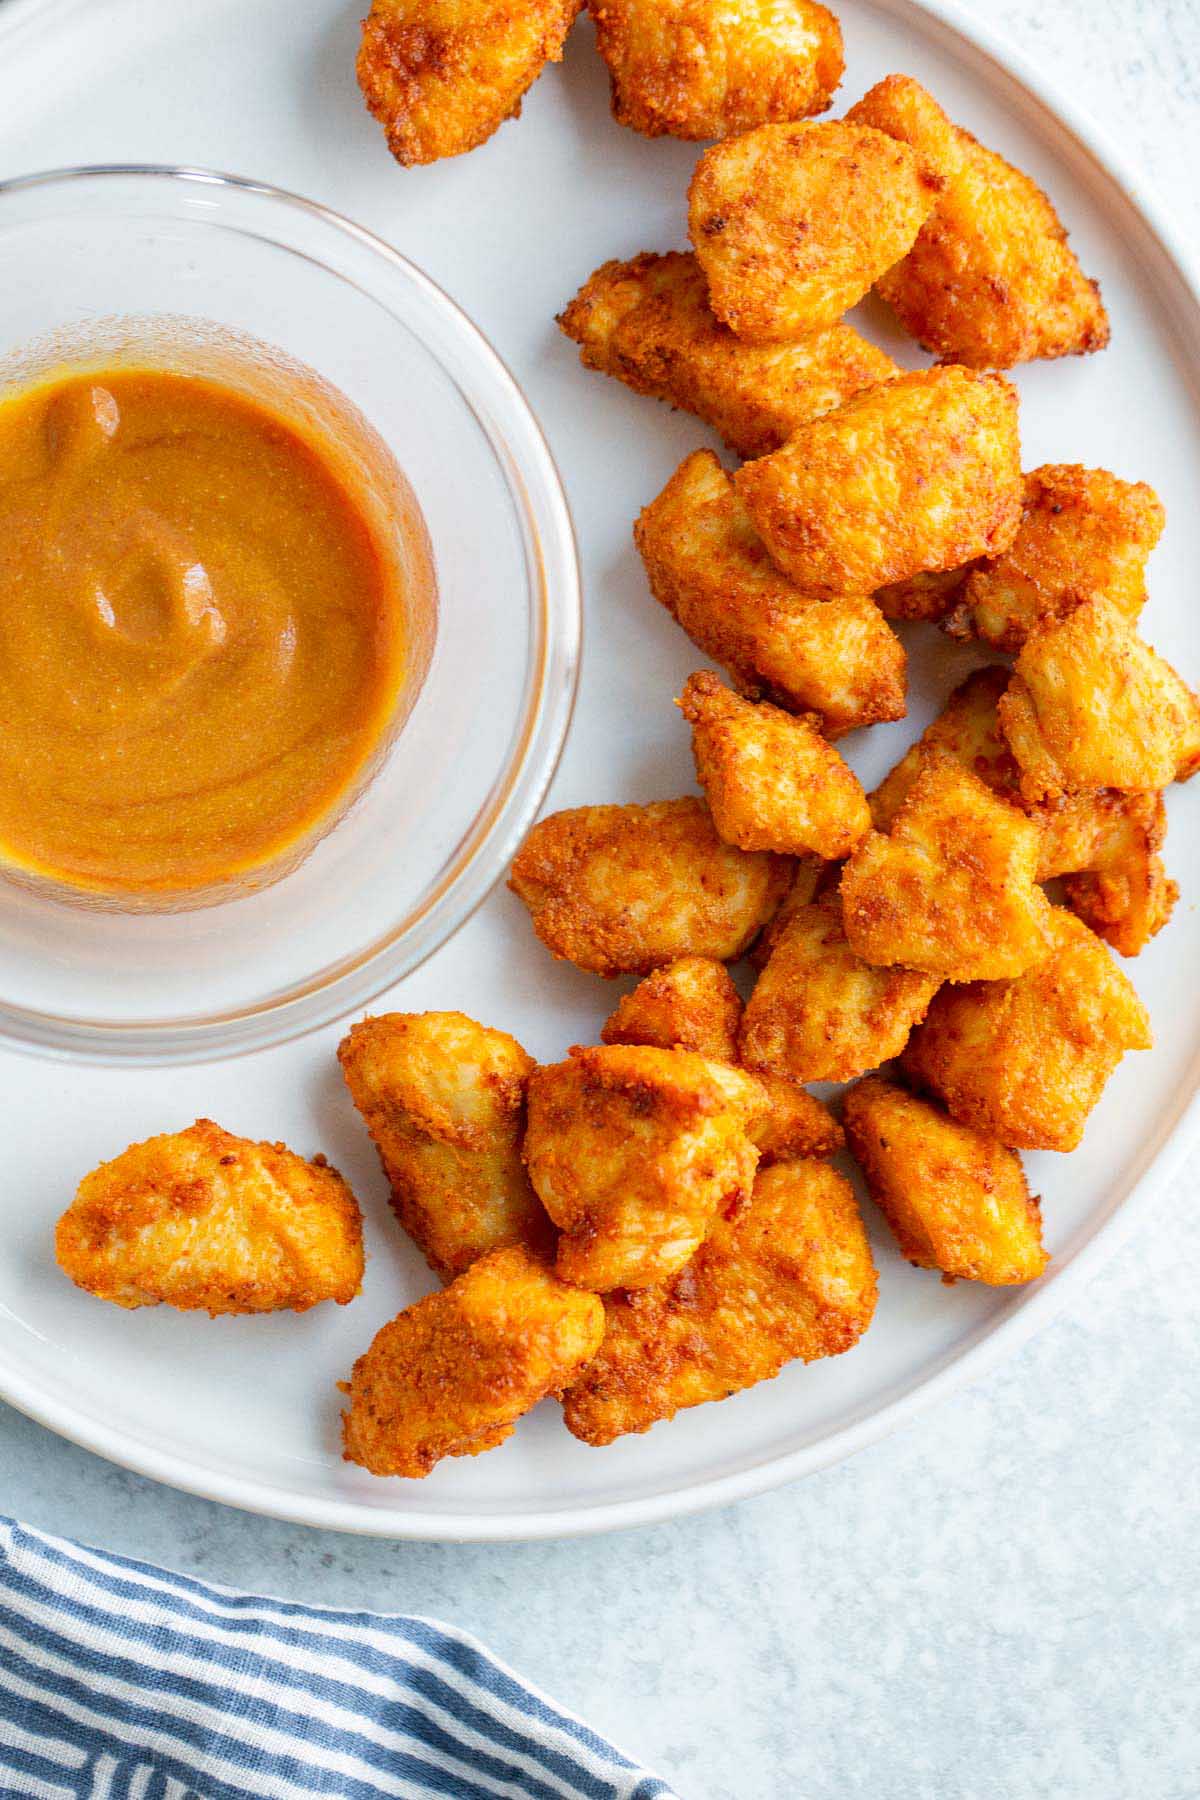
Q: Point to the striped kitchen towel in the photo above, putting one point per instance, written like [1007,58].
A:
[120,1680]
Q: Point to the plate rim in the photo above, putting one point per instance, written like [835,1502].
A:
[951,21]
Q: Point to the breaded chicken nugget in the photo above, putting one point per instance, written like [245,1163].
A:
[648,323]
[991,280]
[1091,705]
[923,597]
[819,1012]
[1026,1060]
[1083,532]
[923,473]
[444,1101]
[632,1151]
[620,890]
[707,565]
[1105,842]
[956,1199]
[792,224]
[204,1221]
[952,888]
[691,1004]
[442,75]
[788,1276]
[771,780]
[706,68]
[451,1375]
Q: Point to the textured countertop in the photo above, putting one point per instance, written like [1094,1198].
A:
[1001,1602]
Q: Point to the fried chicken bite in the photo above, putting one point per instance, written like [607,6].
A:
[1104,843]
[204,1221]
[706,68]
[1083,532]
[1090,705]
[991,280]
[957,1200]
[691,1004]
[787,1276]
[444,1101]
[648,323]
[951,889]
[632,1152]
[771,780]
[793,224]
[621,890]
[928,597]
[707,565]
[920,474]
[1026,1060]
[451,1375]
[442,75]
[819,1012]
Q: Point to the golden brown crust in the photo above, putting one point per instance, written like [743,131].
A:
[648,323]
[1025,1061]
[956,1200]
[922,473]
[451,1375]
[707,565]
[442,75]
[1083,532]
[923,597]
[703,69]
[202,1220]
[787,1276]
[632,1151]
[771,780]
[691,1004]
[991,280]
[1091,705]
[792,224]
[794,1124]
[819,1012]
[620,890]
[952,888]
[444,1101]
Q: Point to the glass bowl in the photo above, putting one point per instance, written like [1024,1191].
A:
[88,253]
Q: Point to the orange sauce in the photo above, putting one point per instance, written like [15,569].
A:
[201,643]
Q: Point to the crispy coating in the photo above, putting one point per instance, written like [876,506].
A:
[1025,1061]
[819,1012]
[620,890]
[707,565]
[451,1375]
[792,224]
[707,68]
[956,1199]
[787,1276]
[952,888]
[648,323]
[991,280]
[442,75]
[205,1221]
[923,597]
[444,1101]
[632,1151]
[922,473]
[771,780]
[691,1004]
[1091,705]
[1104,842]
[1082,532]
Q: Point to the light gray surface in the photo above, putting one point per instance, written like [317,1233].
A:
[1000,1603]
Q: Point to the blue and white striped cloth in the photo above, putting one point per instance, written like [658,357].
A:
[119,1681]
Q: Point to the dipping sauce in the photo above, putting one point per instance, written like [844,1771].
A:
[201,641]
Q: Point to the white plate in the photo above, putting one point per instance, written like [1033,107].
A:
[245,1411]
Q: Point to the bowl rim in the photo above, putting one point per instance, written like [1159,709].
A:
[483,853]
